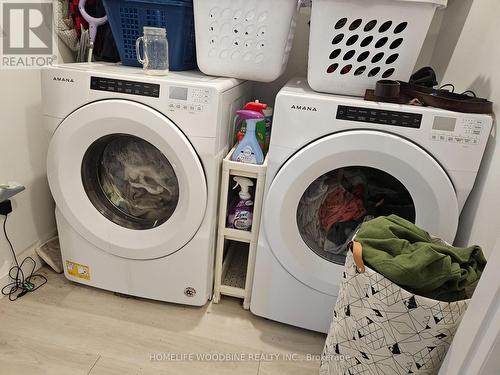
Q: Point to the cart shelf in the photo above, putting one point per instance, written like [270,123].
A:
[235,251]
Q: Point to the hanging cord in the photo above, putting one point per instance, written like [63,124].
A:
[470,93]
[20,284]
[448,85]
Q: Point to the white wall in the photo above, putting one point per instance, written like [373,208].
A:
[444,34]
[23,148]
[297,63]
[474,65]
[476,346]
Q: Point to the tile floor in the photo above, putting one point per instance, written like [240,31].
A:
[67,328]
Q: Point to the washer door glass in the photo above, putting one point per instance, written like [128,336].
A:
[127,179]
[130,181]
[337,202]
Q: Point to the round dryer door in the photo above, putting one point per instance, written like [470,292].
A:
[324,191]
[127,179]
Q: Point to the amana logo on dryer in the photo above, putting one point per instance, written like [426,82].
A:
[304,108]
[62,79]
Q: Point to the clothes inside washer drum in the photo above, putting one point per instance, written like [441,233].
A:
[138,179]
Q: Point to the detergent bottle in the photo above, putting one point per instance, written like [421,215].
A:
[262,127]
[241,214]
[248,150]
[268,113]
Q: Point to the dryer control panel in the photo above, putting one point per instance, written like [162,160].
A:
[467,131]
[380,117]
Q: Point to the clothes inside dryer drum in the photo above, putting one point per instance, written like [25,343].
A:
[337,202]
[307,212]
[340,206]
[138,179]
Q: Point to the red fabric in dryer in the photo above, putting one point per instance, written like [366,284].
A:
[340,205]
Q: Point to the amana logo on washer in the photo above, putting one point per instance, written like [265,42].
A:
[63,79]
[304,108]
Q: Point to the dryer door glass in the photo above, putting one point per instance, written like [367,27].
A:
[345,177]
[336,203]
[130,181]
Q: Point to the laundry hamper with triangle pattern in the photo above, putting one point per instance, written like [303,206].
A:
[380,328]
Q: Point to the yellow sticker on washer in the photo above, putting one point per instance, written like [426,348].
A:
[78,270]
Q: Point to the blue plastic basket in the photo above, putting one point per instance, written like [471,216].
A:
[128,17]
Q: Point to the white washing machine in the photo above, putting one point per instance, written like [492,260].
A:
[134,167]
[417,162]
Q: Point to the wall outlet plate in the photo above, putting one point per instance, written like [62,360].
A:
[10,189]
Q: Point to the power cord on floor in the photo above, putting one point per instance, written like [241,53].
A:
[20,285]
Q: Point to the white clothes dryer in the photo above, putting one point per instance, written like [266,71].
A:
[334,160]
[134,168]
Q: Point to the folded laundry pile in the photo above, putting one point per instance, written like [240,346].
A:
[413,259]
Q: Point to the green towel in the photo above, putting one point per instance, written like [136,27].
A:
[411,258]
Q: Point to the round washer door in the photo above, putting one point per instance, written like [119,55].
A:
[127,179]
[434,198]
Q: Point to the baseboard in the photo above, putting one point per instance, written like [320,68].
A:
[29,252]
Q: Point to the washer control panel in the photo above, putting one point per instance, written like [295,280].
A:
[125,87]
[467,131]
[188,99]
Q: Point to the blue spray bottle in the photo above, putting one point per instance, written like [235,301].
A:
[248,150]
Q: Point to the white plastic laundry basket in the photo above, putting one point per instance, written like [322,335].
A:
[354,43]
[247,39]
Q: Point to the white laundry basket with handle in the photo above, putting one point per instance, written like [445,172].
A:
[354,43]
[247,39]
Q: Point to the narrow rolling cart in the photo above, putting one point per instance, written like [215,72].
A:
[235,252]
